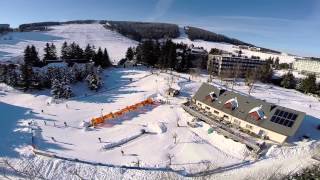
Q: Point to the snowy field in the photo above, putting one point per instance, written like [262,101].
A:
[194,151]
[13,44]
[283,58]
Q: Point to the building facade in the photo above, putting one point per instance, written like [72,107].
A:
[4,26]
[307,65]
[226,63]
[264,119]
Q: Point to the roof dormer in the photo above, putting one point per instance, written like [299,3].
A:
[231,104]
[257,113]
[211,96]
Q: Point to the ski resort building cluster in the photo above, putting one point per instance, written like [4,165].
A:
[269,121]
[225,63]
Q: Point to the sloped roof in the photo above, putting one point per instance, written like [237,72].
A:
[246,104]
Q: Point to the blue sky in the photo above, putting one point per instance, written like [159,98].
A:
[288,25]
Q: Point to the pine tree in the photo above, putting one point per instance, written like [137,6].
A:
[106,59]
[309,85]
[53,52]
[34,56]
[27,56]
[26,75]
[94,81]
[130,54]
[50,52]
[98,58]
[88,53]
[56,90]
[288,81]
[65,51]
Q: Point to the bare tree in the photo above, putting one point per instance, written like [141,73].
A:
[170,156]
[251,79]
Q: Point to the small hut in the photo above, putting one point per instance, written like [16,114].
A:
[173,92]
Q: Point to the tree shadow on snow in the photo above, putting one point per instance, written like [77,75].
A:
[116,84]
[18,37]
[14,132]
[3,54]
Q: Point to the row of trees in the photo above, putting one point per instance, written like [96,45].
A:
[58,78]
[197,33]
[163,55]
[69,52]
[144,30]
[306,85]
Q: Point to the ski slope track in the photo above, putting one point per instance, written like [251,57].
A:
[283,57]
[13,44]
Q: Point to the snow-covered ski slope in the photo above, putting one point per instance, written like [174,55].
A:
[13,44]
[284,58]
[124,87]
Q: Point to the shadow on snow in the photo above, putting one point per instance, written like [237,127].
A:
[15,132]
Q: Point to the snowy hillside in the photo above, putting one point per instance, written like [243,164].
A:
[284,58]
[13,44]
[195,150]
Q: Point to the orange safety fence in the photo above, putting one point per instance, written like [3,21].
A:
[101,120]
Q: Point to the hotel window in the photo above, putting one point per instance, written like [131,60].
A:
[216,112]
[207,108]
[248,126]
[237,122]
[225,117]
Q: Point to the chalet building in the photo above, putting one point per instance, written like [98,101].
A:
[226,63]
[264,119]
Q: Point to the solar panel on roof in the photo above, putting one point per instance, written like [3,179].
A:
[294,117]
[281,113]
[284,118]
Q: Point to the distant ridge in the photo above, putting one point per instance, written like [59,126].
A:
[147,30]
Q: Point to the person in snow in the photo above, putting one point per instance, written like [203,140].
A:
[42,110]
[67,106]
[45,123]
[53,139]
[100,140]
[65,124]
[122,152]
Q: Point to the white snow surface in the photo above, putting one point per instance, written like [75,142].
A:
[283,57]
[194,146]
[13,44]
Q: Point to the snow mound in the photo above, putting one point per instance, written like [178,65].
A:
[158,128]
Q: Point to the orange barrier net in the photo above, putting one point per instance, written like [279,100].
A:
[101,120]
